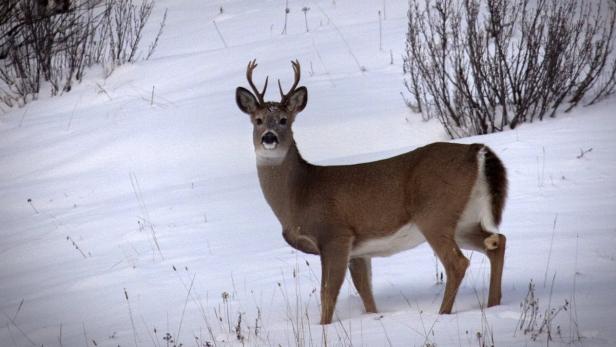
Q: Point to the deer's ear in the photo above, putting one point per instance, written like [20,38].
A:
[296,102]
[246,101]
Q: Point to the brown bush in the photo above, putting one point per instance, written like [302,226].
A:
[54,42]
[481,66]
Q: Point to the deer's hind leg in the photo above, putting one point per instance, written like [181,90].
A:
[493,246]
[442,241]
[497,261]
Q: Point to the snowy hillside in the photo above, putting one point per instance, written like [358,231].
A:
[130,211]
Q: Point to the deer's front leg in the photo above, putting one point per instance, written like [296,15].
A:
[361,273]
[334,261]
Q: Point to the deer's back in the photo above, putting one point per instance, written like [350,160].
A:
[378,198]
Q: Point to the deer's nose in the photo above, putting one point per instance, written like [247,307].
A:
[269,138]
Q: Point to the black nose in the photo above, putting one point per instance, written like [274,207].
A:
[269,138]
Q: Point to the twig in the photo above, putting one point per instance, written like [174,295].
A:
[436,274]
[305,9]
[316,50]
[76,246]
[386,334]
[32,205]
[486,330]
[130,313]
[573,317]
[547,266]
[21,303]
[346,333]
[220,34]
[426,333]
[23,116]
[154,44]
[104,91]
[19,329]
[137,190]
[384,10]
[85,334]
[60,336]
[154,341]
[177,336]
[549,314]
[346,43]
[70,121]
[197,301]
[584,151]
[286,14]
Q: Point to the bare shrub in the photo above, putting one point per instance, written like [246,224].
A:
[481,66]
[536,322]
[41,43]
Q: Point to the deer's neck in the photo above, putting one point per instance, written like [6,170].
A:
[282,184]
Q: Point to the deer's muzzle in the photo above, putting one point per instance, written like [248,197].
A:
[269,140]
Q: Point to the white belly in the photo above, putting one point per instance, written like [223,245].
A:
[407,237]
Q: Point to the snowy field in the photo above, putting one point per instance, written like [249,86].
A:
[127,219]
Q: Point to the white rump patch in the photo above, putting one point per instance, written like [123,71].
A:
[409,236]
[491,242]
[478,210]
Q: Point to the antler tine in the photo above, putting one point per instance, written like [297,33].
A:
[297,71]
[280,88]
[251,66]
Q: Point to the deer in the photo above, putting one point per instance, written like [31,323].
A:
[449,195]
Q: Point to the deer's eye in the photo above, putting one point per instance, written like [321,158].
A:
[259,121]
[282,121]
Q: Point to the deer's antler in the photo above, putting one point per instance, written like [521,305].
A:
[297,71]
[251,66]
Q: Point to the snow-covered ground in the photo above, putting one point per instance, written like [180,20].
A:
[132,220]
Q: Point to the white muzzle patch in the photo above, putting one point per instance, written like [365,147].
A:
[269,152]
[270,146]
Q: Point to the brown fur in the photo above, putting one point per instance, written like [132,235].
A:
[331,210]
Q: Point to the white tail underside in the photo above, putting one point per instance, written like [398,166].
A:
[478,210]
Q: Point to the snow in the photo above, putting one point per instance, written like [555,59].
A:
[107,193]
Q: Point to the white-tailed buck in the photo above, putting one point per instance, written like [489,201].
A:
[450,195]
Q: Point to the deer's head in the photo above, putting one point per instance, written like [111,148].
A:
[272,135]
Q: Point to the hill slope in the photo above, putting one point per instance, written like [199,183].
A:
[126,217]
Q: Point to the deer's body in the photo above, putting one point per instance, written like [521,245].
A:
[450,195]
